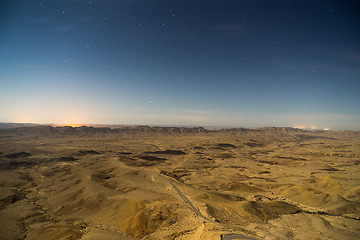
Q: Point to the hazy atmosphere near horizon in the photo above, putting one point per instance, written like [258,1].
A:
[207,63]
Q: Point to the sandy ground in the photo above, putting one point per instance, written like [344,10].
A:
[265,184]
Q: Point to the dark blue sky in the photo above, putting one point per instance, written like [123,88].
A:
[229,63]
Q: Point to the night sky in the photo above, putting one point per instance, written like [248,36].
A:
[210,63]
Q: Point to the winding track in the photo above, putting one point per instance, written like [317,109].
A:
[236,236]
[192,206]
[196,210]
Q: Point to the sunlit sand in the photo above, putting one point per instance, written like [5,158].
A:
[178,183]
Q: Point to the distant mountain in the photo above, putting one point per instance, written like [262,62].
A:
[68,130]
[17,125]
[281,130]
[36,129]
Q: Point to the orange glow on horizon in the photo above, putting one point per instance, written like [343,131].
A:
[69,125]
[73,121]
[300,127]
[74,125]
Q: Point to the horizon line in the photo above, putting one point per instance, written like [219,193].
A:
[210,127]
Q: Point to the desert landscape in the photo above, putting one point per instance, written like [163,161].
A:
[178,183]
[179,120]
